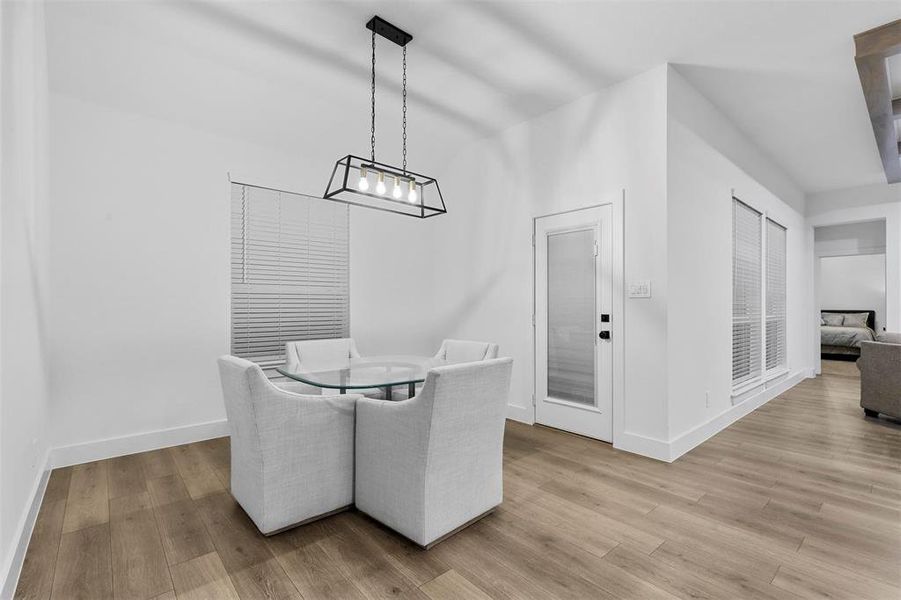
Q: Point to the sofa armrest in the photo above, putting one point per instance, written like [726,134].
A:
[880,377]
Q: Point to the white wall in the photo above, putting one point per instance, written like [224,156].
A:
[140,265]
[853,282]
[678,179]
[708,160]
[23,284]
[572,157]
[852,238]
[139,309]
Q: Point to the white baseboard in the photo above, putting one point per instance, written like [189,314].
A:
[670,451]
[152,440]
[643,445]
[87,452]
[9,576]
[704,431]
[139,442]
[523,414]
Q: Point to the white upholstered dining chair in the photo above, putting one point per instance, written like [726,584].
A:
[292,455]
[460,351]
[319,353]
[311,355]
[457,351]
[432,464]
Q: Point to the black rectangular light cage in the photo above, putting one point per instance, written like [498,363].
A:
[343,187]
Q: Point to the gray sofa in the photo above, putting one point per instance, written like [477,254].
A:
[880,376]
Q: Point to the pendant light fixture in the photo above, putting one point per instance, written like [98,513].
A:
[372,184]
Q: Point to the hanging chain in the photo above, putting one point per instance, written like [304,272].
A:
[405,110]
[372,130]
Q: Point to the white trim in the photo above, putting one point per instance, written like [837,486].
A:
[643,445]
[747,386]
[574,405]
[522,414]
[9,577]
[618,327]
[87,452]
[138,442]
[704,431]
[743,391]
[775,373]
[672,450]
[617,200]
[860,251]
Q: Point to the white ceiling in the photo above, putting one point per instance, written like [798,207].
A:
[295,74]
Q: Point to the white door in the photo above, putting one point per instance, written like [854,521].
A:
[573,304]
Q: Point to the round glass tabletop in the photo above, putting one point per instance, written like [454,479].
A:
[368,372]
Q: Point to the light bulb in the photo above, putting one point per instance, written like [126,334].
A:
[380,186]
[363,184]
[412,197]
[397,192]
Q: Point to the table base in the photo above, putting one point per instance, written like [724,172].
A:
[411,391]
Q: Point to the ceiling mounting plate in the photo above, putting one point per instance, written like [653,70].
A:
[388,31]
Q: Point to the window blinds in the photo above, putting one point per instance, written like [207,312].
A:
[775,295]
[289,271]
[746,293]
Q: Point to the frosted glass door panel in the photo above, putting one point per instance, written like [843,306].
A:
[571,289]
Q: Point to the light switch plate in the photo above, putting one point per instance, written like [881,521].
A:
[640,289]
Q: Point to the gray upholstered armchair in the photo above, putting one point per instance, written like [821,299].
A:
[432,464]
[292,455]
[880,375]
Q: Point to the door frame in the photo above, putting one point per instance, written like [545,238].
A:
[617,329]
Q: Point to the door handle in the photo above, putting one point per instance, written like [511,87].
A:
[604,335]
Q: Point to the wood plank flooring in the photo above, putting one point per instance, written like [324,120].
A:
[800,499]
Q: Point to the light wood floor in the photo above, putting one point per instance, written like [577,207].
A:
[801,499]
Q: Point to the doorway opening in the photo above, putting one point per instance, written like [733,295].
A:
[850,286]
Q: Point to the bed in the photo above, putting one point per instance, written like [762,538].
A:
[842,331]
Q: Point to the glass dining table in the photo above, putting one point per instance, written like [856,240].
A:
[384,372]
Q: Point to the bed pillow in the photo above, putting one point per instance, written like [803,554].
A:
[855,320]
[833,319]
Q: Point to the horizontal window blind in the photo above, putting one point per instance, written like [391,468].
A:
[746,293]
[289,271]
[775,295]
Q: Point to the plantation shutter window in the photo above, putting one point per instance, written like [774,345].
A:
[775,295]
[289,271]
[746,293]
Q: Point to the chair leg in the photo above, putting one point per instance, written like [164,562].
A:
[870,413]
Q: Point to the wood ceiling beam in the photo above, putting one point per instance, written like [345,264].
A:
[884,40]
[872,48]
